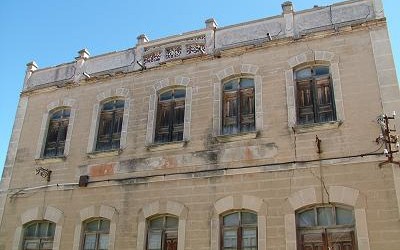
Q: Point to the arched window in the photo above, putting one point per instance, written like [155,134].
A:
[239,231]
[325,227]
[39,235]
[170,116]
[57,133]
[162,233]
[96,234]
[110,125]
[315,101]
[238,112]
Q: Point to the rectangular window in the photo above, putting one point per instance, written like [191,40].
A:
[96,234]
[57,133]
[239,231]
[315,102]
[238,109]
[170,116]
[39,235]
[110,125]
[325,227]
[162,233]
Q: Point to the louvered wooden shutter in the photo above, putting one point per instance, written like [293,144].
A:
[164,121]
[305,102]
[324,98]
[247,110]
[230,113]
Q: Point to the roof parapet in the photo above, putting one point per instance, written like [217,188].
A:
[207,41]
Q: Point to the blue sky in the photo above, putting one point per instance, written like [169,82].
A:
[51,32]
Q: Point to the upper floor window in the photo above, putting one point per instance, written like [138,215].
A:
[57,133]
[162,233]
[315,100]
[170,116]
[325,227]
[238,111]
[39,235]
[96,234]
[239,231]
[110,125]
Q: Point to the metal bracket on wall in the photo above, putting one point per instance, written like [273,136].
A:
[43,172]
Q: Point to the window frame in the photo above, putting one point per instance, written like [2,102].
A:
[223,75]
[311,57]
[325,230]
[239,106]
[239,228]
[116,113]
[313,80]
[102,97]
[41,143]
[97,233]
[40,239]
[60,121]
[172,103]
[163,230]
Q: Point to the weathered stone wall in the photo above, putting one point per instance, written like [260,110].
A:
[199,195]
[273,171]
[275,142]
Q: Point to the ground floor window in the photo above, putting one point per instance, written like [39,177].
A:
[39,235]
[162,233]
[326,228]
[96,234]
[239,231]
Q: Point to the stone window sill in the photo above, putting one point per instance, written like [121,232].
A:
[108,153]
[50,160]
[317,127]
[237,137]
[167,146]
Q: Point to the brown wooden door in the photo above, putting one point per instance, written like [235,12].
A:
[328,241]
[171,244]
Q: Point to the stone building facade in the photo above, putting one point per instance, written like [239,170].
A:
[260,135]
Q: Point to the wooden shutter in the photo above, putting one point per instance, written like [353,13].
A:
[305,102]
[324,99]
[178,120]
[170,116]
[117,127]
[313,241]
[110,125]
[62,135]
[247,110]
[57,133]
[164,121]
[230,113]
[104,132]
[171,241]
[341,240]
